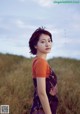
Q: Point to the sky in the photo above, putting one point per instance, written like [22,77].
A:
[20,18]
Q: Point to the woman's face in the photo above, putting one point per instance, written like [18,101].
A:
[44,44]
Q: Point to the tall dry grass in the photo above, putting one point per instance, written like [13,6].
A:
[68,73]
[16,86]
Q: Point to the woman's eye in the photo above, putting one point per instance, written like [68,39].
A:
[49,40]
[42,42]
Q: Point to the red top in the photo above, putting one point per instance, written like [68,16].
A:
[40,67]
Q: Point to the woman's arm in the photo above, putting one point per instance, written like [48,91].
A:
[41,88]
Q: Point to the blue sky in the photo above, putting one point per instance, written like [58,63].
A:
[20,18]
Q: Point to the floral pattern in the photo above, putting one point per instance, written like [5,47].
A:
[51,82]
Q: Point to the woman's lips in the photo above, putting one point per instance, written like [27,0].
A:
[48,48]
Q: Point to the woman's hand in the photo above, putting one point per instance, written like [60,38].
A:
[54,90]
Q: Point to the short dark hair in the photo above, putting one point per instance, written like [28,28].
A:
[35,38]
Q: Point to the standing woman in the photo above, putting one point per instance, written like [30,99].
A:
[45,99]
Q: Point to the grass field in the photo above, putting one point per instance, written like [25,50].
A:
[16,86]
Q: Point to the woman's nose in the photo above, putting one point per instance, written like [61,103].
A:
[47,44]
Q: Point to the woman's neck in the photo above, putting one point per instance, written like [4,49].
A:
[41,55]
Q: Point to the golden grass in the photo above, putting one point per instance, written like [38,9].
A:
[16,86]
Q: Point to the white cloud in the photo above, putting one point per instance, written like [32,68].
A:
[73,41]
[21,24]
[44,3]
[21,0]
[76,22]
[3,25]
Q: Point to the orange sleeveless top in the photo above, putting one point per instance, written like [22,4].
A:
[40,67]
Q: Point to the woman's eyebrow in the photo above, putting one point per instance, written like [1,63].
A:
[46,39]
[43,39]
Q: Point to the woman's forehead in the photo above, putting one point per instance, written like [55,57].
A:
[44,37]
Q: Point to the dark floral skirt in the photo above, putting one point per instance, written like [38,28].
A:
[36,108]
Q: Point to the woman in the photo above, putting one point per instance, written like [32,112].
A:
[45,99]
